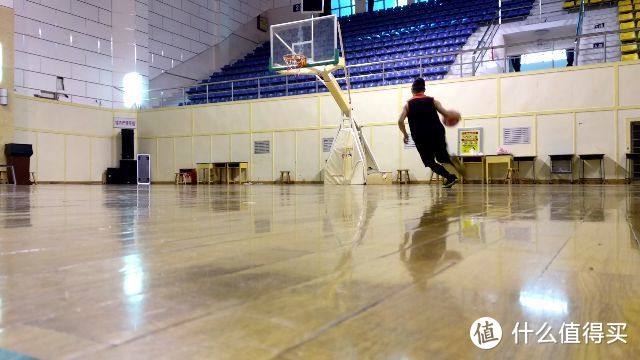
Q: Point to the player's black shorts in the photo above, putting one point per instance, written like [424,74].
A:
[433,149]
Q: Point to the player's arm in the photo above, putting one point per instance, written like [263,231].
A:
[441,109]
[401,125]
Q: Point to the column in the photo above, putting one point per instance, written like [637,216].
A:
[6,81]
[130,48]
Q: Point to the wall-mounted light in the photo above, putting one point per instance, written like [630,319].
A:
[133,85]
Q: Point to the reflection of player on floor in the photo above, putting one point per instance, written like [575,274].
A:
[427,131]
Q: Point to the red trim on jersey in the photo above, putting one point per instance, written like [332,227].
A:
[415,96]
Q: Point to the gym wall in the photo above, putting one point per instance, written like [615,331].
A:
[71,142]
[571,110]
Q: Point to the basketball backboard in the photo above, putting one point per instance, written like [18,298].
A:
[316,39]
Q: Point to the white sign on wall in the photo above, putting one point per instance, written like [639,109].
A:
[516,136]
[124,123]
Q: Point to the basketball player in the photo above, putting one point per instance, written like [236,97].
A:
[428,132]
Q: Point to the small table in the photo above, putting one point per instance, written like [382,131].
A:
[631,161]
[13,173]
[560,170]
[587,157]
[218,169]
[473,159]
[206,172]
[240,166]
[496,159]
[532,159]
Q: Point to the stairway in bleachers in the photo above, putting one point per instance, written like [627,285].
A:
[399,37]
[594,18]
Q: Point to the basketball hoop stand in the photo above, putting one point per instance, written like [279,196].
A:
[350,159]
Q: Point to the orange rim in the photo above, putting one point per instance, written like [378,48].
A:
[294,61]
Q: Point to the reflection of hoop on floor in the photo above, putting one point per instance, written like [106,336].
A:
[295,61]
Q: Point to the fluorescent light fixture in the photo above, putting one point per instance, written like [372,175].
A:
[546,56]
[133,89]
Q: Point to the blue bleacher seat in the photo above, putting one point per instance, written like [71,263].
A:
[433,30]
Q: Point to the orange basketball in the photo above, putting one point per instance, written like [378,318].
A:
[451,120]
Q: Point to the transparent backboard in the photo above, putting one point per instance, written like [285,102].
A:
[316,39]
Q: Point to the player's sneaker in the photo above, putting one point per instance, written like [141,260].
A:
[450,182]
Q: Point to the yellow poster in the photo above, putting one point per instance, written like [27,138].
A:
[469,141]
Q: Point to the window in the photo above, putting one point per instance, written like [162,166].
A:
[543,60]
[342,7]
[387,4]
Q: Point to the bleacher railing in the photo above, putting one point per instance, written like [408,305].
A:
[387,72]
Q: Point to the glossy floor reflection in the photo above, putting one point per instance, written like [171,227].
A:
[315,272]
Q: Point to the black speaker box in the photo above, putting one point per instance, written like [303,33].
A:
[128,171]
[113,176]
[127,144]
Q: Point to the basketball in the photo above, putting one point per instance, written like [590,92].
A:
[452,120]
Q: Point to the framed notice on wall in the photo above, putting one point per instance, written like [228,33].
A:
[263,23]
[469,141]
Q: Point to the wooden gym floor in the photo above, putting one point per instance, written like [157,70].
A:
[312,271]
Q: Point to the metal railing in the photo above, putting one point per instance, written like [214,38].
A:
[485,41]
[579,29]
[382,72]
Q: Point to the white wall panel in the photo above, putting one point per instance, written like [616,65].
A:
[222,118]
[385,144]
[376,106]
[221,148]
[284,153]
[78,161]
[285,113]
[308,155]
[44,115]
[202,149]
[51,157]
[629,85]
[165,122]
[240,147]
[555,138]
[183,153]
[165,160]
[595,135]
[330,113]
[573,89]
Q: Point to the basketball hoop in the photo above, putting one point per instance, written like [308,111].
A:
[295,61]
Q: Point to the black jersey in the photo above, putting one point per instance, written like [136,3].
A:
[424,121]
